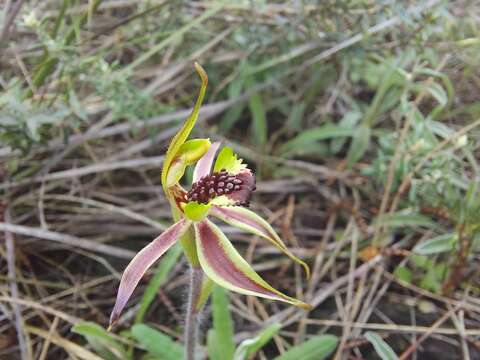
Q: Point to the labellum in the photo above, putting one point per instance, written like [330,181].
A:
[236,187]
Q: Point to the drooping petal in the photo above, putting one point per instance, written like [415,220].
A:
[142,261]
[226,267]
[204,165]
[247,220]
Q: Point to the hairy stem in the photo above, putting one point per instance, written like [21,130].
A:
[191,323]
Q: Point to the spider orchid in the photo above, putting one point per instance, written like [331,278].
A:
[221,188]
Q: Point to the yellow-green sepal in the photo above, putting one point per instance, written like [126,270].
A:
[189,153]
[195,211]
[182,135]
[187,241]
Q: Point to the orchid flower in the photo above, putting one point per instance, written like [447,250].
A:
[221,188]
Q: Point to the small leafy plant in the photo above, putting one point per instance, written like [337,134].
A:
[221,188]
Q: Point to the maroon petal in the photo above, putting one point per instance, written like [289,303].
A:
[142,261]
[225,266]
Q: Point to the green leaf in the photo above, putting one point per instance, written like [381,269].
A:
[302,142]
[381,347]
[214,347]
[228,160]
[438,244]
[403,273]
[259,119]
[438,93]
[250,346]
[222,324]
[196,211]
[349,120]
[317,348]
[102,341]
[407,220]
[233,114]
[157,343]
[167,262]
[359,145]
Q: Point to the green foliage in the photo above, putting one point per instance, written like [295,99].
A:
[220,338]
[249,347]
[381,347]
[156,343]
[101,341]
[316,348]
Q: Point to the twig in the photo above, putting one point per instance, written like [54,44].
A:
[10,17]
[86,170]
[68,240]
[19,325]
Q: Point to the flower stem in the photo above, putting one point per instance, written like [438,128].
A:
[191,323]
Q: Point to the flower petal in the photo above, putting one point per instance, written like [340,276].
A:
[204,165]
[247,220]
[224,265]
[142,261]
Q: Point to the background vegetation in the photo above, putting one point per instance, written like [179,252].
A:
[360,117]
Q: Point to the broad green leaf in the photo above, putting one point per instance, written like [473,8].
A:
[222,337]
[182,135]
[102,341]
[438,244]
[381,347]
[196,211]
[359,145]
[157,343]
[229,161]
[167,262]
[250,346]
[317,348]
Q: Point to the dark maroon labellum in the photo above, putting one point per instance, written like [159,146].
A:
[215,184]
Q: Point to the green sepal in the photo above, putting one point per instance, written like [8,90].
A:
[182,135]
[195,211]
[189,153]
[187,241]
[228,160]
[205,292]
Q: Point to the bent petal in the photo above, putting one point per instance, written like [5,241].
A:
[247,220]
[142,261]
[225,266]
[204,165]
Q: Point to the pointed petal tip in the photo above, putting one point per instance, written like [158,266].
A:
[142,262]
[304,306]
